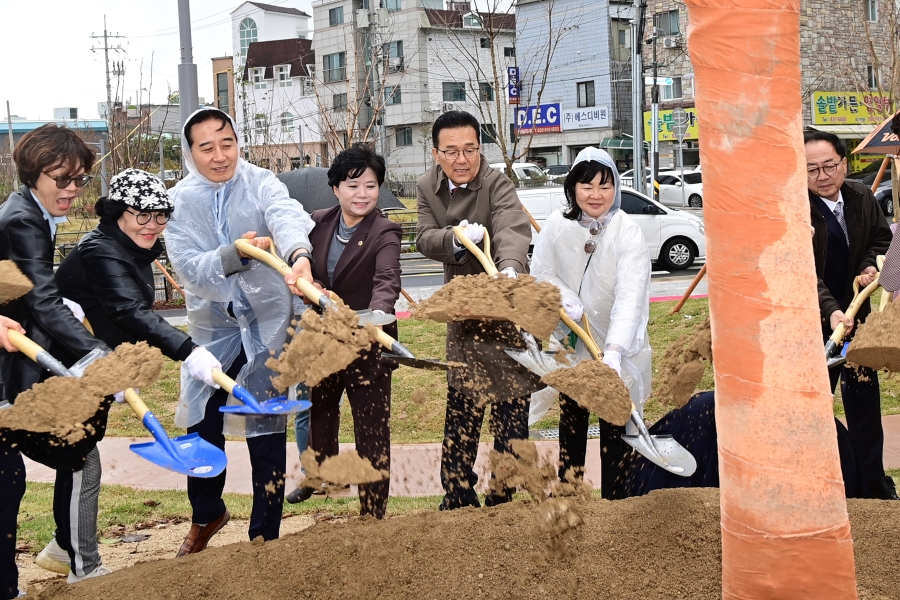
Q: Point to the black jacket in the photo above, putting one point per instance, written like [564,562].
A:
[869,236]
[25,239]
[111,278]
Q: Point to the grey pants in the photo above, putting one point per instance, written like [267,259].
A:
[75,508]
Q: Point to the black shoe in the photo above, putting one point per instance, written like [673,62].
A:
[300,494]
[493,499]
[890,490]
[459,501]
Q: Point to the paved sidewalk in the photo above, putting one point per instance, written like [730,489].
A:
[414,467]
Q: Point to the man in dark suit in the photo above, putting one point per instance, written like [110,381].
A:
[849,232]
[356,253]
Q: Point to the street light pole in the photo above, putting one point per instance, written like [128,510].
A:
[654,123]
[187,70]
[637,101]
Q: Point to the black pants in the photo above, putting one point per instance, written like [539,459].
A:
[861,396]
[268,460]
[462,428]
[12,488]
[614,451]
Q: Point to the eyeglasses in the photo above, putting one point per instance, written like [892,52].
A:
[454,154]
[594,229]
[64,182]
[829,169]
[143,218]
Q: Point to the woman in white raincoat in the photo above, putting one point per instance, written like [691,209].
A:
[238,309]
[596,255]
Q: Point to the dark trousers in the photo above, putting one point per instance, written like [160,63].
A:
[12,488]
[462,428]
[268,460]
[614,451]
[370,405]
[861,396]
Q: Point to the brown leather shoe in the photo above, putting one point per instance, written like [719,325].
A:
[199,535]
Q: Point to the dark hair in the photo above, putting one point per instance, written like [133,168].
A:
[813,135]
[50,147]
[353,162]
[583,172]
[210,114]
[108,210]
[454,119]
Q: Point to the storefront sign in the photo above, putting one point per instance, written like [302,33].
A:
[666,126]
[512,73]
[538,119]
[585,118]
[850,108]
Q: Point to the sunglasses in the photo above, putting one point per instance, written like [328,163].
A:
[143,218]
[64,182]
[594,229]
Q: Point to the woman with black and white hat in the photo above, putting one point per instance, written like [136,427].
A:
[109,275]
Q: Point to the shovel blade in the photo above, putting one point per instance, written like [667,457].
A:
[539,362]
[664,452]
[193,456]
[275,406]
[367,317]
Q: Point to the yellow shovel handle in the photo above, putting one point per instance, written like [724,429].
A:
[483,257]
[25,345]
[137,405]
[224,381]
[583,335]
[305,287]
[858,300]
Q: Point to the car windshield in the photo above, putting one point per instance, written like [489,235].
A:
[529,172]
[691,178]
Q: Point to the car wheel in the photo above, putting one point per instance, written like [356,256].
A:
[677,254]
[888,207]
[695,201]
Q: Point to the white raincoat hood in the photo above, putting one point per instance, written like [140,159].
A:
[602,157]
[188,157]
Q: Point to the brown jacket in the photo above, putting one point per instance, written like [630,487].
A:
[490,200]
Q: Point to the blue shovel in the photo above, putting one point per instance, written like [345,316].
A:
[187,454]
[250,406]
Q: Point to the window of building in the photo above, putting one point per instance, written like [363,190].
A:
[488,133]
[484,43]
[667,22]
[872,77]
[485,92]
[585,93]
[248,34]
[509,52]
[258,76]
[287,120]
[671,92]
[334,67]
[623,37]
[260,123]
[336,16]
[472,21]
[872,10]
[403,137]
[394,53]
[222,91]
[392,4]
[283,75]
[454,91]
[392,95]
[339,101]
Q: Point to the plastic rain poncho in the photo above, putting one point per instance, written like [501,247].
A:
[209,216]
[613,283]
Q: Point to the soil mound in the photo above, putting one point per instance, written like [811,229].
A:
[596,387]
[683,365]
[663,545]
[347,468]
[530,304]
[60,405]
[13,283]
[877,342]
[321,345]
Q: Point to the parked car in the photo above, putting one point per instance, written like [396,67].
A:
[884,193]
[867,174]
[557,173]
[524,174]
[884,196]
[627,178]
[670,188]
[675,239]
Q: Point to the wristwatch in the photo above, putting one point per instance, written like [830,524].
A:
[302,252]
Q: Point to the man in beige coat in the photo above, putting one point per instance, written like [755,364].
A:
[463,190]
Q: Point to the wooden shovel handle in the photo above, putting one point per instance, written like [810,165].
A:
[381,337]
[858,300]
[226,382]
[483,257]
[137,405]
[531,218]
[305,287]
[583,335]
[690,289]
[25,345]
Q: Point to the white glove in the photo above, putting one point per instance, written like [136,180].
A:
[613,360]
[510,272]
[574,309]
[474,231]
[200,365]
[75,308]
[120,397]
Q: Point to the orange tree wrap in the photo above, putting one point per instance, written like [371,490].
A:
[785,529]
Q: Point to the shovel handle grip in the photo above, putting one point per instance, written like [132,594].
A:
[226,382]
[484,259]
[583,335]
[858,300]
[25,345]
[137,405]
[302,285]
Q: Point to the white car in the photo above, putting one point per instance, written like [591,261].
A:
[671,185]
[528,174]
[675,239]
[627,178]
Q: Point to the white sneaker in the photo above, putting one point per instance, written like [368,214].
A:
[101,570]
[53,558]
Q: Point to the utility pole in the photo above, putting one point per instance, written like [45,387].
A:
[637,98]
[187,70]
[118,70]
[654,122]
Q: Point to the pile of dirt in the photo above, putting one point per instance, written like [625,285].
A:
[663,545]
[60,405]
[877,342]
[596,387]
[530,304]
[13,283]
[347,468]
[683,365]
[320,346]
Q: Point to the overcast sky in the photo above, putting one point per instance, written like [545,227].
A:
[48,62]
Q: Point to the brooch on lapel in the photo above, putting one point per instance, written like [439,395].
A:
[360,243]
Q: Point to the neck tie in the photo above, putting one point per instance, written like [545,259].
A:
[839,215]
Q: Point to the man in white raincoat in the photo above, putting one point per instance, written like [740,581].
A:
[238,309]
[597,257]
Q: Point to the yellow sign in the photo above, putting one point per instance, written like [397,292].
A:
[850,108]
[665,125]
